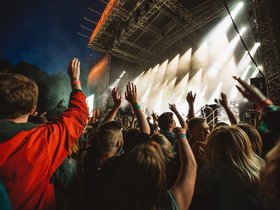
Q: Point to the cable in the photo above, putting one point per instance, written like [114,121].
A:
[242,41]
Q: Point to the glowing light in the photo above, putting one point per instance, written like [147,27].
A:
[244,75]
[185,62]
[171,69]
[90,104]
[225,24]
[216,93]
[122,74]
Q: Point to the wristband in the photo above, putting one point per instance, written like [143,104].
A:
[75,82]
[136,107]
[182,136]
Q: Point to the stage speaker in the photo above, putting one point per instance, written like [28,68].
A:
[260,83]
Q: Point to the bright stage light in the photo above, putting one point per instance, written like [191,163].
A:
[114,84]
[258,44]
[185,62]
[225,55]
[90,104]
[244,75]
[122,74]
[216,93]
[245,60]
[225,24]
[171,69]
[144,98]
[161,72]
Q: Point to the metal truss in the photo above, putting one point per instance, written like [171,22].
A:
[205,13]
[108,20]
[269,49]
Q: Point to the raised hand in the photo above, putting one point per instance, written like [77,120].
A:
[190,97]
[155,116]
[223,101]
[117,98]
[252,93]
[74,69]
[131,93]
[173,108]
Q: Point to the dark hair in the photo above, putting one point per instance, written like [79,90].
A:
[196,121]
[18,95]
[109,134]
[164,120]
[131,139]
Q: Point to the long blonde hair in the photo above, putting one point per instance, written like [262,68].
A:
[229,145]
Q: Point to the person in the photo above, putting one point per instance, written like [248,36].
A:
[254,137]
[140,181]
[199,131]
[191,99]
[167,124]
[230,179]
[224,103]
[33,152]
[172,163]
[269,127]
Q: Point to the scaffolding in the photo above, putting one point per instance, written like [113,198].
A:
[269,48]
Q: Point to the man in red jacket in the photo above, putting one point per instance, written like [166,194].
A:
[29,153]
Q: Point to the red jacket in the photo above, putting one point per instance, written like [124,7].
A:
[29,154]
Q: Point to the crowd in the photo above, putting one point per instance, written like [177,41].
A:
[78,162]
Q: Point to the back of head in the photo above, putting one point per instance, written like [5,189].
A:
[254,137]
[230,146]
[141,179]
[110,136]
[195,122]
[18,95]
[164,120]
[164,145]
[131,139]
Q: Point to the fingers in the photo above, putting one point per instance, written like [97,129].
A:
[244,84]
[240,90]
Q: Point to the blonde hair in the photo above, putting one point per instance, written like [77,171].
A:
[164,144]
[229,145]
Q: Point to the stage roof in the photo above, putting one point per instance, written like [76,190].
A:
[144,31]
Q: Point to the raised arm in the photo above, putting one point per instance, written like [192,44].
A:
[74,74]
[191,99]
[117,98]
[184,185]
[131,124]
[253,94]
[224,103]
[62,133]
[182,122]
[131,97]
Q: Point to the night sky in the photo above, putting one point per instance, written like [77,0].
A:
[44,32]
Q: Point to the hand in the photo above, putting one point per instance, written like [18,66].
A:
[223,101]
[117,98]
[179,130]
[190,97]
[252,93]
[131,94]
[74,69]
[155,116]
[173,108]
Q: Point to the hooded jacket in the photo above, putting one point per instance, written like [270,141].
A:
[30,153]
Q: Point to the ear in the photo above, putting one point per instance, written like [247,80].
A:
[33,110]
[119,143]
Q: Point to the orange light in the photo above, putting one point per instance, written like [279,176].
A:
[107,11]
